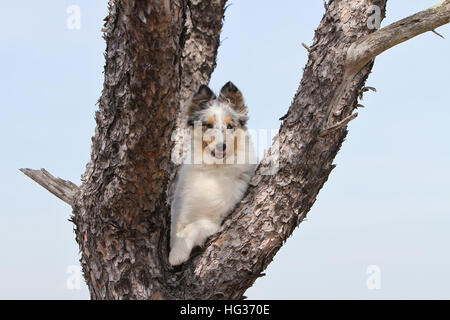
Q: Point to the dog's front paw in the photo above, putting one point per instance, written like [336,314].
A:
[179,253]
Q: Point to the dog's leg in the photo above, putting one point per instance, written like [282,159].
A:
[194,234]
[179,252]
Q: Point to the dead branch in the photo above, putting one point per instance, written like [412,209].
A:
[370,46]
[63,189]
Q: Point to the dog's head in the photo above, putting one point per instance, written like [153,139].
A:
[219,125]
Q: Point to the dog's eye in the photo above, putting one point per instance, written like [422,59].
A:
[209,125]
[230,127]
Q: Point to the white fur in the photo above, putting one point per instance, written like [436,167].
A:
[204,195]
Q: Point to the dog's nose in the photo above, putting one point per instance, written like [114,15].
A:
[221,146]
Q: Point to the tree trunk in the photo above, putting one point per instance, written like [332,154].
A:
[121,213]
[158,53]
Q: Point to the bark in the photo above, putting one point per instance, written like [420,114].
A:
[121,213]
[157,53]
[276,204]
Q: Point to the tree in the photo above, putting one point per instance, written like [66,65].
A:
[158,53]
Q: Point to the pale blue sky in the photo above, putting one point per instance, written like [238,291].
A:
[387,203]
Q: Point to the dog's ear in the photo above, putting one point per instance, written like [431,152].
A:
[199,101]
[231,94]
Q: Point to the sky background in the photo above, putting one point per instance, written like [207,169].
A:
[386,204]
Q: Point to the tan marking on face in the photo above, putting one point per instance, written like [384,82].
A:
[228,120]
[211,120]
[206,143]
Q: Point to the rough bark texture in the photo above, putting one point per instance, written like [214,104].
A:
[121,215]
[276,204]
[158,52]
[203,26]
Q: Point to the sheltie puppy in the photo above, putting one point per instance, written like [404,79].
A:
[217,171]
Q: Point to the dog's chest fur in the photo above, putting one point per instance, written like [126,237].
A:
[211,192]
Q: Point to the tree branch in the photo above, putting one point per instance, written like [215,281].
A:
[338,125]
[203,25]
[122,195]
[157,53]
[198,60]
[63,189]
[367,48]
[277,203]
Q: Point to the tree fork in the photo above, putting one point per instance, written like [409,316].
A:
[157,54]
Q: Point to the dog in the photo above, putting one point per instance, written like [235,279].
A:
[216,173]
